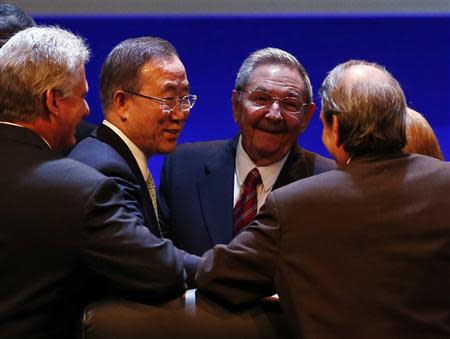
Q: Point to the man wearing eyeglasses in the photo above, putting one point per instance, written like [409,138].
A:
[146,101]
[225,182]
[358,252]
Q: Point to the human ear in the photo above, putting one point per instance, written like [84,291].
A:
[120,104]
[52,98]
[235,104]
[335,129]
[306,117]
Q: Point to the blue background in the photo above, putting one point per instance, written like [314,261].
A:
[414,48]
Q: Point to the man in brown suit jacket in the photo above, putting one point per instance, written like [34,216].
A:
[359,252]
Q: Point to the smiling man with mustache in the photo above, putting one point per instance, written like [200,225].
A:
[272,104]
[146,102]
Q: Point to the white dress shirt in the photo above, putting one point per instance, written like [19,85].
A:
[137,153]
[244,165]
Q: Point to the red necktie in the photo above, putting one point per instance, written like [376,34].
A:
[245,209]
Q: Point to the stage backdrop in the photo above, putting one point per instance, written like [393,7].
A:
[415,49]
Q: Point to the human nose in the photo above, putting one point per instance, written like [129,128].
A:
[275,110]
[87,110]
[178,114]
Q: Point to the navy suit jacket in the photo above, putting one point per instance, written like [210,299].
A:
[196,190]
[105,151]
[64,231]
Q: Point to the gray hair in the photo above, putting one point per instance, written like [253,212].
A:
[272,56]
[370,108]
[33,61]
[121,69]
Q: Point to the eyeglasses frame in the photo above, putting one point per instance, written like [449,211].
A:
[162,101]
[278,99]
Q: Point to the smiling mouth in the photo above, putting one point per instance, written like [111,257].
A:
[173,132]
[273,130]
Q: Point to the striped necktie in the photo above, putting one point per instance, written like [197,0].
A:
[245,209]
[152,191]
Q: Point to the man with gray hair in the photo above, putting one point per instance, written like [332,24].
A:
[12,20]
[359,252]
[225,182]
[66,232]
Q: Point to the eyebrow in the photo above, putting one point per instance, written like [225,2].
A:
[291,93]
[294,94]
[170,87]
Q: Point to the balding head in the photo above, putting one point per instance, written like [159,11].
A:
[369,105]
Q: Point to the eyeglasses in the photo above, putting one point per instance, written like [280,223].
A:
[291,105]
[168,105]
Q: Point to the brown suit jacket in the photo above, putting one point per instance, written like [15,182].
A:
[362,252]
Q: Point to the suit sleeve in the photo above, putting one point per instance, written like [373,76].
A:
[243,271]
[123,253]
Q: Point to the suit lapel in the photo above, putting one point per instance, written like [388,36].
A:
[215,188]
[108,136]
[298,165]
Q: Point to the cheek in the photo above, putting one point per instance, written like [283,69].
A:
[153,124]
[293,128]
[293,124]
[249,119]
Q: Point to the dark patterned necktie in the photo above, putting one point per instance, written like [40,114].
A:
[245,209]
[152,191]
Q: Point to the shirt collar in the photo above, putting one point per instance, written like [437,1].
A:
[137,153]
[18,125]
[244,165]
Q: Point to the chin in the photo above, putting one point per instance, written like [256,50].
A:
[167,149]
[66,144]
[269,145]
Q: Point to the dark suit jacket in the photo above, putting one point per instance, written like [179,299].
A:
[196,190]
[64,231]
[357,253]
[105,151]
[84,129]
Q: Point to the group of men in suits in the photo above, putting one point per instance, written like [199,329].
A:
[146,101]
[358,252]
[366,243]
[68,232]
